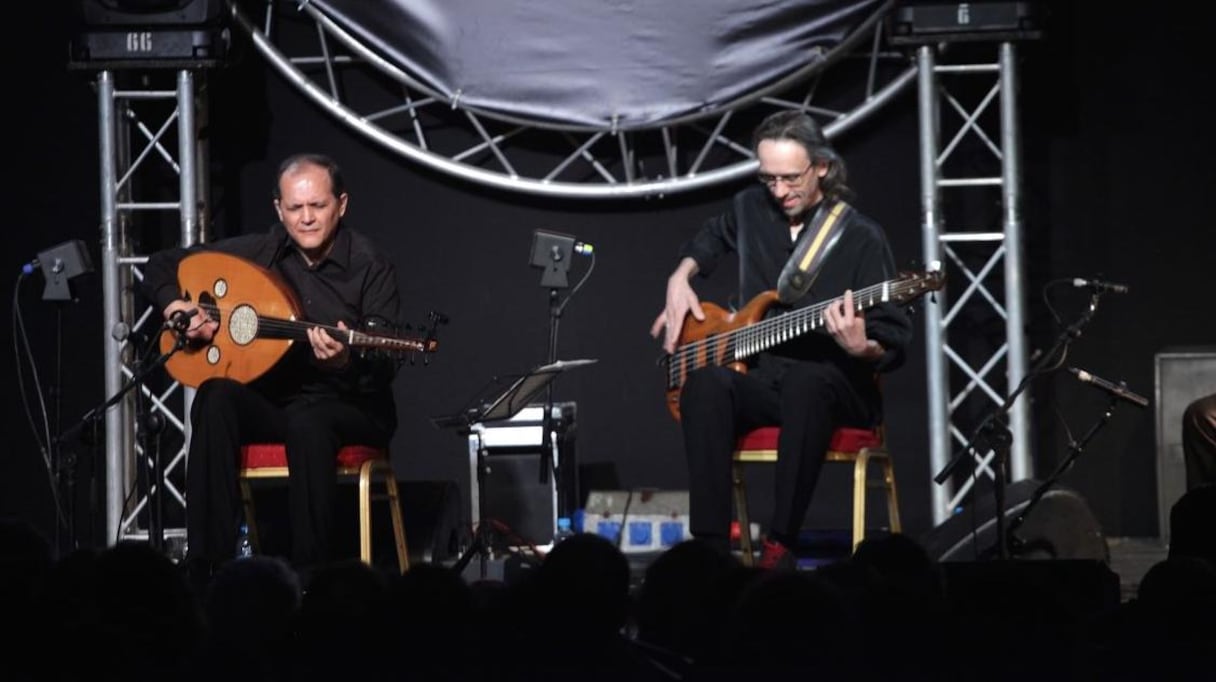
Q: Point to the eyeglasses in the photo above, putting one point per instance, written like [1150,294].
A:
[788,178]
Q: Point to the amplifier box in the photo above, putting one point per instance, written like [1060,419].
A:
[1183,374]
[521,487]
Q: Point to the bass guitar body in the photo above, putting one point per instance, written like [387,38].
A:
[711,339]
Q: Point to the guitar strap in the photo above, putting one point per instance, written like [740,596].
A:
[803,266]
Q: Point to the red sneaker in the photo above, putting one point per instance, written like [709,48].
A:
[776,556]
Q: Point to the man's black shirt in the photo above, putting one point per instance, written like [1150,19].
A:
[352,283]
[758,232]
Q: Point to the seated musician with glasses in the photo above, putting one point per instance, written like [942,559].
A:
[809,386]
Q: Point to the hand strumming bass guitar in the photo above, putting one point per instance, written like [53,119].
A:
[728,339]
[259,320]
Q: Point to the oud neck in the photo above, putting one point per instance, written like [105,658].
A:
[277,327]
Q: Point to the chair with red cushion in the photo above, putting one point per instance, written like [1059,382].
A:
[859,446]
[269,460]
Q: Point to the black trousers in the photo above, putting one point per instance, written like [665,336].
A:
[808,400]
[1199,441]
[227,414]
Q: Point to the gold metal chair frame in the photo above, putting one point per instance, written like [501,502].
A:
[376,466]
[861,459]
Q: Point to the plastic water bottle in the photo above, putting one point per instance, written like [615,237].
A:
[244,548]
[564,530]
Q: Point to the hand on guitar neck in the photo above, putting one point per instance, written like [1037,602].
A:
[329,352]
[847,326]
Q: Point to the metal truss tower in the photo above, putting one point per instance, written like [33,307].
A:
[975,344]
[147,135]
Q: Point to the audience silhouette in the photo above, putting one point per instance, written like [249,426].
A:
[889,611]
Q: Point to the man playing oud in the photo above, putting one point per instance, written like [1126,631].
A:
[793,234]
[319,396]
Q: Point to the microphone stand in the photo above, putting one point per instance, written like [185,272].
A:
[1016,544]
[546,441]
[993,431]
[154,423]
[64,465]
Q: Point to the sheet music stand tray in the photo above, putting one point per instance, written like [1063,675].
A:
[469,420]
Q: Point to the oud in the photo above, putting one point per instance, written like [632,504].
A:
[259,320]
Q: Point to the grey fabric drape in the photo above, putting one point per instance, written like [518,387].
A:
[593,62]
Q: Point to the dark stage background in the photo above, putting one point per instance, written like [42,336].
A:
[1116,154]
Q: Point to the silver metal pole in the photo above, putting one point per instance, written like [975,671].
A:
[930,202]
[116,449]
[188,183]
[1020,464]
[186,153]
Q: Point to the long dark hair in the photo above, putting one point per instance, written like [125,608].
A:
[801,128]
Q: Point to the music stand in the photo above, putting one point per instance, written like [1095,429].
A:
[469,420]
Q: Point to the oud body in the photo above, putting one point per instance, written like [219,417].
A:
[259,319]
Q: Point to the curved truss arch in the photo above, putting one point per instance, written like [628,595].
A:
[324,61]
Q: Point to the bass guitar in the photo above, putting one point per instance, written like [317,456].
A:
[727,339]
[259,320]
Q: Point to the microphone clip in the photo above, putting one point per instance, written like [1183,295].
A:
[179,321]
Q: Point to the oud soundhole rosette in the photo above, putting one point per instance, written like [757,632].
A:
[243,325]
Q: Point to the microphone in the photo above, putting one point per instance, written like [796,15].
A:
[1100,286]
[179,321]
[581,248]
[1118,390]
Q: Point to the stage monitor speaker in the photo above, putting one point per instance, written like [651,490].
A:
[523,498]
[1060,526]
[1182,375]
[924,23]
[149,34]
[114,13]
